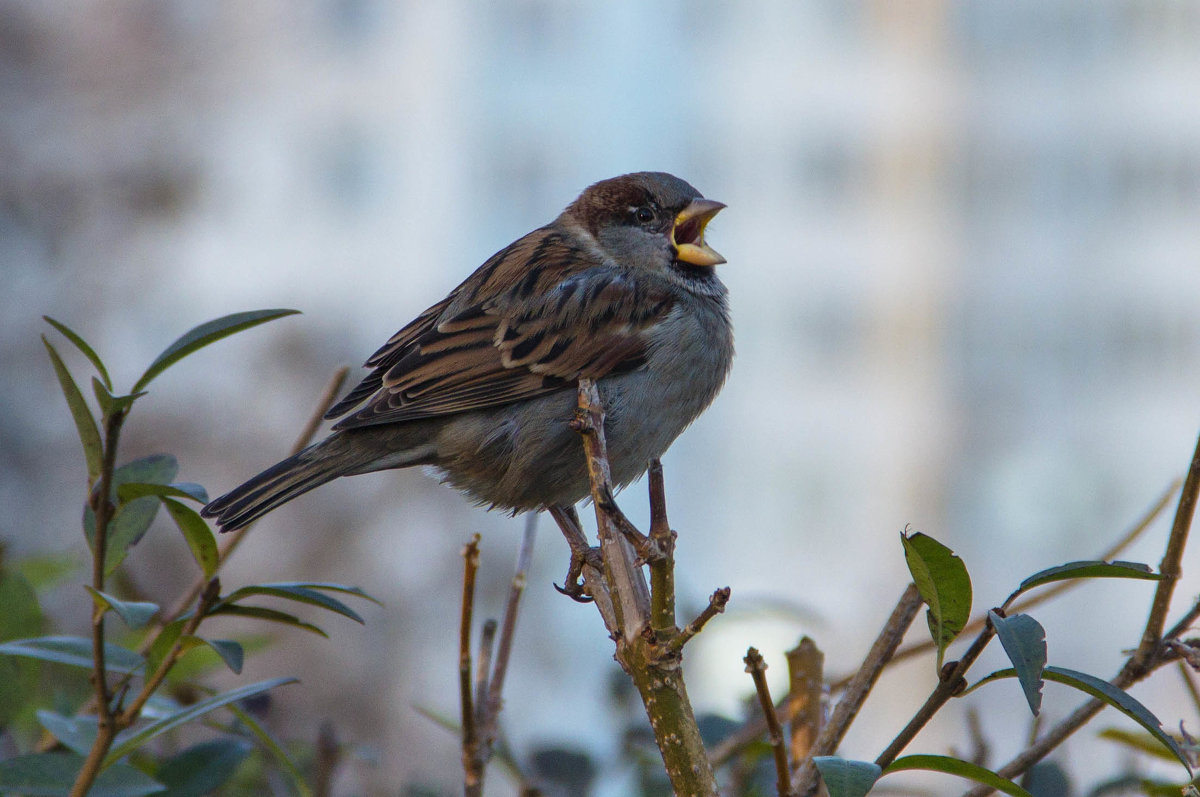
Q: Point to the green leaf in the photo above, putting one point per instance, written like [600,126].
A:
[73,651]
[20,616]
[197,533]
[52,774]
[202,768]
[1086,569]
[134,614]
[201,336]
[230,652]
[845,778]
[296,593]
[163,643]
[954,766]
[263,613]
[85,424]
[47,570]
[272,746]
[329,586]
[131,490]
[132,519]
[82,345]
[1120,700]
[76,733]
[1024,641]
[1142,742]
[110,404]
[188,714]
[944,584]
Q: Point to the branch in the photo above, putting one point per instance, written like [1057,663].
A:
[233,539]
[806,667]
[1154,650]
[481,714]
[860,686]
[1029,601]
[758,671]
[625,601]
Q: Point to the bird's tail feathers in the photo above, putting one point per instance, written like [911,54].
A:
[284,481]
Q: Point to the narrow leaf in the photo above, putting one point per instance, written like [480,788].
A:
[955,766]
[203,768]
[329,586]
[85,424]
[295,593]
[230,652]
[110,404]
[74,651]
[272,746]
[1086,569]
[197,533]
[188,714]
[76,733]
[944,584]
[1024,641]
[52,774]
[845,778]
[82,345]
[1120,700]
[134,614]
[1142,742]
[131,490]
[133,518]
[263,613]
[201,336]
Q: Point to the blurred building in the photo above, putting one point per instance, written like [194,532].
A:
[963,260]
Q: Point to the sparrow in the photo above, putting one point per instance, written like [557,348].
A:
[620,289]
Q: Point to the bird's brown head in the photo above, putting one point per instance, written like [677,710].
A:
[649,214]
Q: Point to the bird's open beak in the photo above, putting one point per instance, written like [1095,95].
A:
[688,233]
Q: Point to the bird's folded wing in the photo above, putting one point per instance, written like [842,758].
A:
[534,319]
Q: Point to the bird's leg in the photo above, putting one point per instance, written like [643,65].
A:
[581,553]
[648,549]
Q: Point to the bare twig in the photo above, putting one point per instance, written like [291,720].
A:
[325,760]
[470,554]
[758,671]
[1029,601]
[1170,567]
[860,686]
[716,604]
[508,627]
[624,601]
[806,666]
[1153,650]
[662,568]
[233,539]
[481,714]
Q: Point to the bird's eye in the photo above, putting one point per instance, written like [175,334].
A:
[644,214]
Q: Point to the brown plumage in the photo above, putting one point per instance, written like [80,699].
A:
[619,288]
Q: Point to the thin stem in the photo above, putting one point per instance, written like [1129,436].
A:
[103,511]
[233,539]
[950,684]
[758,671]
[806,667]
[470,554]
[716,605]
[662,568]
[1029,601]
[509,626]
[860,686]
[207,599]
[1170,567]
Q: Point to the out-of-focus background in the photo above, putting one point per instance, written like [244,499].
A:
[964,260]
